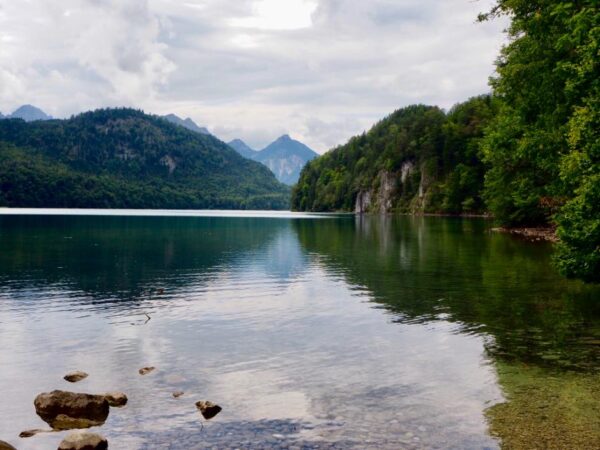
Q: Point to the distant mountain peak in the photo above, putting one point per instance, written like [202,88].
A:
[186,123]
[242,148]
[286,157]
[29,113]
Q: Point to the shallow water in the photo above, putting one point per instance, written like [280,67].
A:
[311,331]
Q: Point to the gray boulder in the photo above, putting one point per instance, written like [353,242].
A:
[83,440]
[67,410]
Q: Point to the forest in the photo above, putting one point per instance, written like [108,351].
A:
[528,154]
[123,158]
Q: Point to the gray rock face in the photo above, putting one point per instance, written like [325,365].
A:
[6,446]
[387,187]
[83,440]
[380,199]
[363,202]
[116,399]
[67,410]
[208,409]
[76,376]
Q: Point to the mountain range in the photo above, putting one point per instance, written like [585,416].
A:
[285,157]
[123,158]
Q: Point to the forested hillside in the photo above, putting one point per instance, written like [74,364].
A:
[122,158]
[529,154]
[543,147]
[417,159]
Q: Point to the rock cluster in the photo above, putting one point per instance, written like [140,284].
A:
[64,410]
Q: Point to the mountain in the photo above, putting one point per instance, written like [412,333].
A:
[242,148]
[187,123]
[418,159]
[29,113]
[285,157]
[123,158]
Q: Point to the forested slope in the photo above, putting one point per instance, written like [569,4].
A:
[417,159]
[529,154]
[123,158]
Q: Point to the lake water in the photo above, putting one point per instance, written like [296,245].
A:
[311,331]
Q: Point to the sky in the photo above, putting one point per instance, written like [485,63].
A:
[319,70]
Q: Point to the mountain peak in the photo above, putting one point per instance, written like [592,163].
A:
[285,157]
[29,113]
[242,148]
[187,123]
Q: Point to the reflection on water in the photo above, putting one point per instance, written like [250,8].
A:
[310,332]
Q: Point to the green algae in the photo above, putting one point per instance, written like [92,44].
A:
[546,409]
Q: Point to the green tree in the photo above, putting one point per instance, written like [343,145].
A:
[542,147]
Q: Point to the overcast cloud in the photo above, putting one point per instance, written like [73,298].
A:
[320,70]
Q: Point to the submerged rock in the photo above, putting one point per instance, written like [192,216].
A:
[208,409]
[177,394]
[29,433]
[116,399]
[6,446]
[76,376]
[67,410]
[146,370]
[83,440]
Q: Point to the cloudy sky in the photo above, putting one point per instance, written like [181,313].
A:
[320,70]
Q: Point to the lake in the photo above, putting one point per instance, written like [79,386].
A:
[311,331]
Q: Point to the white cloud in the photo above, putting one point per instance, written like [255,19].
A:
[319,70]
[278,15]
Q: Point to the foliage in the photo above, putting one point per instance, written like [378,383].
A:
[121,158]
[543,146]
[420,146]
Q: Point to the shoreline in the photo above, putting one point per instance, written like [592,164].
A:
[536,234]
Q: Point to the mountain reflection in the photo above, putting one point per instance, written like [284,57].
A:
[120,261]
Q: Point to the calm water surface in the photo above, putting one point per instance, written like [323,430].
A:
[310,331]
